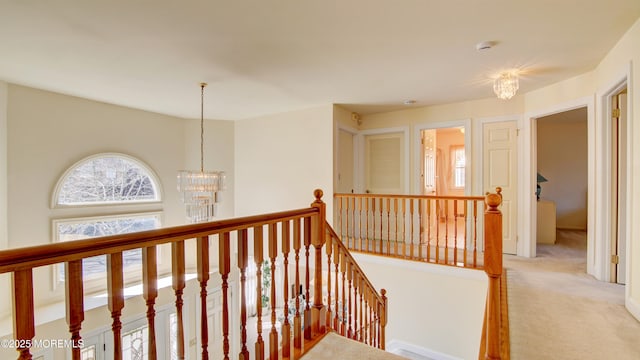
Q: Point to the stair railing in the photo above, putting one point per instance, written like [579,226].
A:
[296,239]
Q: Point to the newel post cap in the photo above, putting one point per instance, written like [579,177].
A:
[318,193]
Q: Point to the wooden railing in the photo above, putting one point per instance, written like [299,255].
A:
[494,342]
[349,304]
[437,229]
[358,311]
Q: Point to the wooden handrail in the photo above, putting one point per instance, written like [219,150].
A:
[403,196]
[40,255]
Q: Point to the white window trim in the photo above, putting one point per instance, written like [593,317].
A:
[155,179]
[96,283]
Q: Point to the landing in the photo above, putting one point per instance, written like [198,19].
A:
[334,346]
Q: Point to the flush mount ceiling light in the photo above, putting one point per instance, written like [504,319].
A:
[506,85]
[200,189]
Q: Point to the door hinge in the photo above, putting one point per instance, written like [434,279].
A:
[615,259]
[615,113]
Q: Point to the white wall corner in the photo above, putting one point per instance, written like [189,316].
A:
[633,307]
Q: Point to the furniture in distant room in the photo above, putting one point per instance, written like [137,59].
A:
[546,227]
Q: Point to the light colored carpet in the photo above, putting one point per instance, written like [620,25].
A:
[335,347]
[557,311]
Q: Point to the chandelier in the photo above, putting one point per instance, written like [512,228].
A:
[200,190]
[506,85]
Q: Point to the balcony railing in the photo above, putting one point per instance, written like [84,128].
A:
[437,229]
[294,243]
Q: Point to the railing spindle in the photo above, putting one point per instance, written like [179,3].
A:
[224,265]
[243,263]
[178,274]
[150,293]
[116,300]
[258,256]
[75,303]
[202,263]
[329,250]
[307,279]
[23,312]
[350,311]
[273,253]
[411,251]
[336,262]
[297,325]
[286,327]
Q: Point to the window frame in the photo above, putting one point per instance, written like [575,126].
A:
[95,282]
[155,181]
[453,149]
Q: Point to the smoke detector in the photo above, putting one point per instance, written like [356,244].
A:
[485,45]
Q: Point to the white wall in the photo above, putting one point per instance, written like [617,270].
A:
[562,159]
[281,159]
[438,308]
[624,61]
[218,155]
[5,302]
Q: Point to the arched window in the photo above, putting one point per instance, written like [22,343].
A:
[106,179]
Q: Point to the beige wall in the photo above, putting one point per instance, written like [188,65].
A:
[562,159]
[282,158]
[626,53]
[438,308]
[5,303]
[49,132]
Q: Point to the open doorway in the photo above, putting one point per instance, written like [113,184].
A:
[443,166]
[562,184]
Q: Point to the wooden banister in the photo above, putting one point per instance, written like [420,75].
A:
[493,268]
[355,287]
[436,229]
[348,304]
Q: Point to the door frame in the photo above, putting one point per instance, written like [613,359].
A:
[604,151]
[529,171]
[336,152]
[359,143]
[417,136]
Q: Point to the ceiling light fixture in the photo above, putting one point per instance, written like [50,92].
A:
[200,189]
[506,85]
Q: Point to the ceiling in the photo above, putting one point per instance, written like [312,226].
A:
[265,56]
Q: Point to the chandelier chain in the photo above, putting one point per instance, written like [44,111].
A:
[202,85]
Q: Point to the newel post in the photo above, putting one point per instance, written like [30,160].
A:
[318,239]
[493,268]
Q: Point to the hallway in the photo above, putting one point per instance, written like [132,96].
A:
[558,311]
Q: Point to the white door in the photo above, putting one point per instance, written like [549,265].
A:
[499,170]
[384,163]
[345,162]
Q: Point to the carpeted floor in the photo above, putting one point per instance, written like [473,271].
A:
[335,347]
[557,311]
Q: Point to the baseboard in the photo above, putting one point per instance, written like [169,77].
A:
[633,307]
[397,347]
